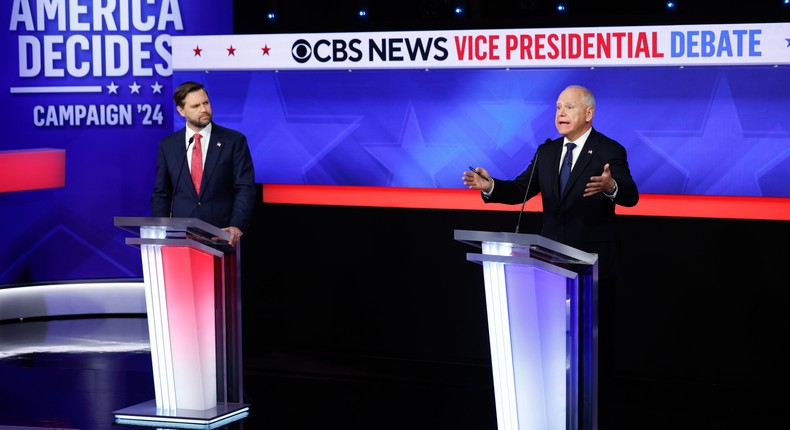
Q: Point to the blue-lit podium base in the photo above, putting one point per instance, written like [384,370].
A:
[540,303]
[147,414]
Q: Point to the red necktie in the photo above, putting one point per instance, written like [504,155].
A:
[197,163]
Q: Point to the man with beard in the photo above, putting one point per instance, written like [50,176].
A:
[216,180]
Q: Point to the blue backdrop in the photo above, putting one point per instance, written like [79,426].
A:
[63,62]
[696,130]
[692,130]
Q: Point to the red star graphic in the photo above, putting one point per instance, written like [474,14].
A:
[232,51]
[266,49]
[197,51]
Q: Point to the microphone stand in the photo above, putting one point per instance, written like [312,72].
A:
[178,179]
[529,184]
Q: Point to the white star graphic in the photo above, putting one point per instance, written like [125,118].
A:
[411,158]
[112,88]
[157,88]
[135,88]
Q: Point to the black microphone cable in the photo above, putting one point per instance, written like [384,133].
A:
[529,184]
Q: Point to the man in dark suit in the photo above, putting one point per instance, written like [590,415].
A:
[204,170]
[581,215]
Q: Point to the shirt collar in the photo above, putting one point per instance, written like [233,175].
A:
[581,140]
[204,133]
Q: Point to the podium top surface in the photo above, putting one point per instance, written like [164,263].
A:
[529,245]
[177,228]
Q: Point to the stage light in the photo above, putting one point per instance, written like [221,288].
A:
[459,8]
[561,8]
[271,16]
[362,7]
[671,7]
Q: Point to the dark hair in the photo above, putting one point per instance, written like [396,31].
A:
[184,89]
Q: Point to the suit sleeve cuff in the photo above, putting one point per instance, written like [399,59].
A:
[613,194]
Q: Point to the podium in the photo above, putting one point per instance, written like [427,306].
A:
[193,304]
[541,304]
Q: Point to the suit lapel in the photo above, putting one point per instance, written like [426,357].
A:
[585,156]
[554,156]
[178,153]
[214,149]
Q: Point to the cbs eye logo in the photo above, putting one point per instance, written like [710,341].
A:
[301,51]
[323,51]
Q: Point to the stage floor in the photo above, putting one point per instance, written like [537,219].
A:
[75,373]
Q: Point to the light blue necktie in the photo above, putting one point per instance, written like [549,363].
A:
[567,163]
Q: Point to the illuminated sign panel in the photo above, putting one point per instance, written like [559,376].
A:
[696,107]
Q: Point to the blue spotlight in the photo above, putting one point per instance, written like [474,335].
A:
[561,8]
[362,13]
[671,5]
[458,10]
[271,16]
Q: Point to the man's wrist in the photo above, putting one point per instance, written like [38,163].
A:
[488,193]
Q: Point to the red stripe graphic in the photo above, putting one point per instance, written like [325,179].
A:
[33,169]
[761,208]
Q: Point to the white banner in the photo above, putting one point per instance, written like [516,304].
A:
[687,45]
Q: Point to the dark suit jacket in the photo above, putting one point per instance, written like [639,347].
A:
[227,195]
[586,223]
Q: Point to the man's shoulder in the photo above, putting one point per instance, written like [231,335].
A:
[601,138]
[226,132]
[176,135]
[551,143]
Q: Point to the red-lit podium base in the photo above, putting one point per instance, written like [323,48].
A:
[193,304]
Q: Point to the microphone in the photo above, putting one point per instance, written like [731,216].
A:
[175,186]
[529,183]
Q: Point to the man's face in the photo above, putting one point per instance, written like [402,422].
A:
[573,117]
[197,109]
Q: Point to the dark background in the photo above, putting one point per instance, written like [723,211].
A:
[306,16]
[371,318]
[384,297]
